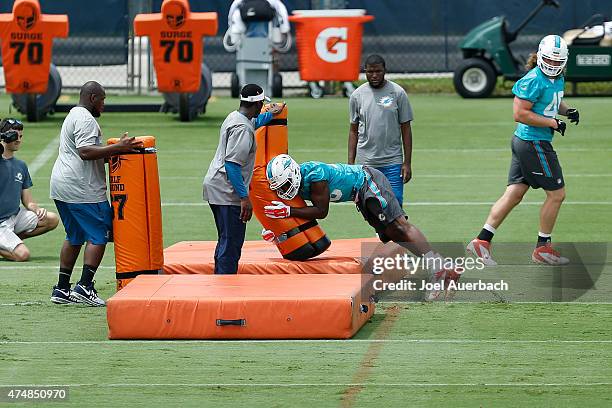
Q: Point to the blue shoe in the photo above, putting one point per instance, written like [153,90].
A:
[61,296]
[86,295]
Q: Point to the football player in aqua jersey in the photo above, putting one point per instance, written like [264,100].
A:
[322,183]
[534,162]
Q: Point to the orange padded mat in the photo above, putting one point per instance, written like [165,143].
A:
[263,258]
[240,307]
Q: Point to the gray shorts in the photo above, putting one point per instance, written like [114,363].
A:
[377,203]
[535,163]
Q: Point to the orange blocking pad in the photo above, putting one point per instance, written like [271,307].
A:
[240,307]
[262,258]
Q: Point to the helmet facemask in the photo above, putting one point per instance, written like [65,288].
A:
[552,49]
[284,176]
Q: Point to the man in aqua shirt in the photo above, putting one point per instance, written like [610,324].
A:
[322,183]
[534,163]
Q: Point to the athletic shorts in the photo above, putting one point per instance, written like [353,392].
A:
[23,221]
[377,203]
[535,163]
[91,222]
[393,172]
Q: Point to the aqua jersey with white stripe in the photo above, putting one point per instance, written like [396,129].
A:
[546,95]
[344,180]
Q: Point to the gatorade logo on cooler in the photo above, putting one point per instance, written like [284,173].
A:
[331,44]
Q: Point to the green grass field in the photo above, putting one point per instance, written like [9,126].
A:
[410,354]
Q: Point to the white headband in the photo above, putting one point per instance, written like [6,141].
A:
[255,98]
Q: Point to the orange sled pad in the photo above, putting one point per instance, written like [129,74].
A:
[240,307]
[263,258]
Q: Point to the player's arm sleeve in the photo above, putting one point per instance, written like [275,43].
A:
[238,145]
[263,119]
[527,89]
[85,133]
[234,175]
[353,110]
[404,110]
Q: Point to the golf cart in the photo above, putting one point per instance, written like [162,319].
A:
[487,54]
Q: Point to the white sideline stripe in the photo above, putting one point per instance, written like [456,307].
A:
[423,203]
[369,384]
[19,267]
[41,303]
[411,204]
[43,156]
[432,150]
[411,341]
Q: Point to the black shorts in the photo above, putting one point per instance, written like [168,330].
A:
[535,163]
[377,202]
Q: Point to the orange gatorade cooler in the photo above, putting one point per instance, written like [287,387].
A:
[329,43]
[297,239]
[137,221]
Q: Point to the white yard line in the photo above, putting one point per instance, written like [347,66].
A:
[433,176]
[286,385]
[429,150]
[43,157]
[419,203]
[299,341]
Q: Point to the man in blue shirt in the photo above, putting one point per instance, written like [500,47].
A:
[17,222]
[534,163]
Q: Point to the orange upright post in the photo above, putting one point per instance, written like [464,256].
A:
[137,221]
[297,239]
[176,38]
[27,41]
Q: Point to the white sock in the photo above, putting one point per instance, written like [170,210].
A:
[543,235]
[490,228]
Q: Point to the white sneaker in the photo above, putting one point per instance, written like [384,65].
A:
[546,255]
[481,249]
[87,295]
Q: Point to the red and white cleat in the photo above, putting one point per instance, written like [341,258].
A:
[481,249]
[546,255]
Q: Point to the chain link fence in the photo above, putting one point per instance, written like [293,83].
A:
[414,36]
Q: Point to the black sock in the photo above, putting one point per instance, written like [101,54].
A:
[543,240]
[63,281]
[87,275]
[485,235]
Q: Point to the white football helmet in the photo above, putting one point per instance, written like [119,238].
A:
[283,174]
[552,48]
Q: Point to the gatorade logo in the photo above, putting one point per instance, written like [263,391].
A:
[331,44]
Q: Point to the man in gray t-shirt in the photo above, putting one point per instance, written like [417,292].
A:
[227,181]
[78,187]
[380,116]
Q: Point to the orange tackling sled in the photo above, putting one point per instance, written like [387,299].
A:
[137,221]
[241,307]
[297,239]
[176,39]
[27,39]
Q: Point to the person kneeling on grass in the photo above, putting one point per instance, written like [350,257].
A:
[322,183]
[16,222]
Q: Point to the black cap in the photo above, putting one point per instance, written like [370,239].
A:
[253,93]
